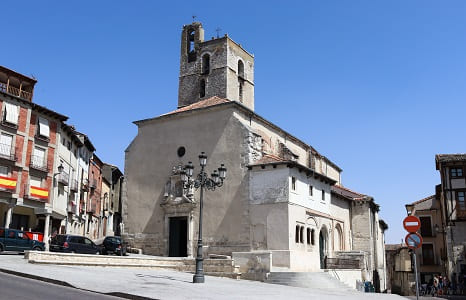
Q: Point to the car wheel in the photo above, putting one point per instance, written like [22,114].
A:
[37,249]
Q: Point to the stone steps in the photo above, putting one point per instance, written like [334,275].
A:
[317,280]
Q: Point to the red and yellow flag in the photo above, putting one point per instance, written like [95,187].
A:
[37,192]
[7,183]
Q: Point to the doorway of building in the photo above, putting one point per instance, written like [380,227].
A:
[322,247]
[178,237]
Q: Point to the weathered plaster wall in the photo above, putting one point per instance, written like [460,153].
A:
[149,162]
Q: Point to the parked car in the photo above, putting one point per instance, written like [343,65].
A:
[73,244]
[17,240]
[113,244]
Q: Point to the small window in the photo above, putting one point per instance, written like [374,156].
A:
[206,64]
[426,226]
[301,235]
[6,143]
[293,183]
[10,115]
[456,172]
[308,231]
[202,88]
[4,171]
[69,145]
[427,254]
[43,128]
[296,237]
[311,190]
[460,199]
[240,69]
[323,195]
[312,237]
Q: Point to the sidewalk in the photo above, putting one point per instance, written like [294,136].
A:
[167,284]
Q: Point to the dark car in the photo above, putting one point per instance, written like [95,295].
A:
[73,244]
[17,240]
[113,244]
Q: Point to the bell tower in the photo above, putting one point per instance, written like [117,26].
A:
[217,67]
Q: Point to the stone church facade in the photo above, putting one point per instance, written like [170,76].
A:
[282,200]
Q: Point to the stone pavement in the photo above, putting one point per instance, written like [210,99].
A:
[167,284]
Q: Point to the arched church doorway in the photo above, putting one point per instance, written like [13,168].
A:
[322,247]
[178,237]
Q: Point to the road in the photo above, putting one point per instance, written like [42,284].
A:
[14,287]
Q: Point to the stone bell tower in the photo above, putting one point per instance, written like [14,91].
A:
[217,67]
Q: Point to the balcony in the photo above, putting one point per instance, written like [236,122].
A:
[7,152]
[7,184]
[85,185]
[4,87]
[36,193]
[63,178]
[93,183]
[38,163]
[73,185]
[92,207]
[71,207]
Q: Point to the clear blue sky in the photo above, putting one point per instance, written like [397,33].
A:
[379,87]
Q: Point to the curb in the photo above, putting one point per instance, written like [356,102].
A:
[66,284]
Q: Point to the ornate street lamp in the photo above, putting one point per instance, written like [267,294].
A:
[202,181]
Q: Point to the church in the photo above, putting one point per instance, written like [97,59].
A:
[282,205]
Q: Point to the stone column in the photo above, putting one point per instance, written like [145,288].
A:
[46,231]
[9,213]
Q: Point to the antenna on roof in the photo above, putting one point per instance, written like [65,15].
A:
[218,31]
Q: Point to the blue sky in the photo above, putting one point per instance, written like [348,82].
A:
[376,86]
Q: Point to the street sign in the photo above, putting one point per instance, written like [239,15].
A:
[412,223]
[413,240]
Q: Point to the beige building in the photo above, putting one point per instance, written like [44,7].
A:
[282,205]
[431,257]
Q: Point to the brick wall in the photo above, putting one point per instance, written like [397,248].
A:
[32,125]
[23,115]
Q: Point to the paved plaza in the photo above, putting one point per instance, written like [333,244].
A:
[167,284]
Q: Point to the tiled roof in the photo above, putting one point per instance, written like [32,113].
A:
[347,193]
[266,159]
[201,104]
[423,199]
[450,157]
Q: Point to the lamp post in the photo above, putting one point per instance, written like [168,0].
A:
[202,181]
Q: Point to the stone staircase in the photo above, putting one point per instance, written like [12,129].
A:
[315,280]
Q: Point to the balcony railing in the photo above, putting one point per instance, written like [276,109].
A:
[73,185]
[15,91]
[39,163]
[36,193]
[7,184]
[63,178]
[92,207]
[7,152]
[85,185]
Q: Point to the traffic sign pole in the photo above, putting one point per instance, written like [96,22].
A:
[415,271]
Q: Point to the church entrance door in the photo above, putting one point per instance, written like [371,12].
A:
[178,237]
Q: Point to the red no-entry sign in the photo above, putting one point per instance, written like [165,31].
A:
[413,240]
[412,223]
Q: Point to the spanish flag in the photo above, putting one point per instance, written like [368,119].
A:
[7,183]
[37,192]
